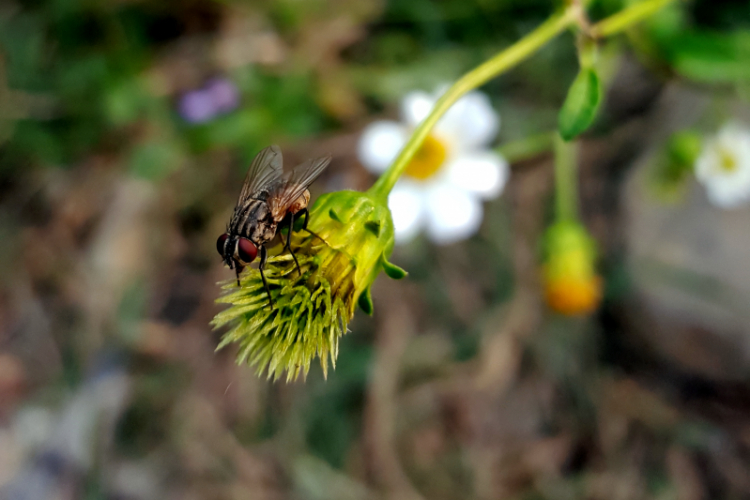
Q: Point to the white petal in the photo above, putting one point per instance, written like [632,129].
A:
[482,172]
[471,122]
[726,197]
[733,133]
[380,143]
[452,214]
[415,107]
[407,205]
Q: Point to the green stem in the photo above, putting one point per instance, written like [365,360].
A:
[526,148]
[566,180]
[627,17]
[502,62]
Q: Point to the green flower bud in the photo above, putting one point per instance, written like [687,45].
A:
[353,238]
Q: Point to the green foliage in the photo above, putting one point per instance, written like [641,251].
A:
[154,159]
[712,57]
[126,100]
[675,164]
[70,55]
[581,105]
[695,48]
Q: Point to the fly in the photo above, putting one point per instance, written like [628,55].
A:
[268,199]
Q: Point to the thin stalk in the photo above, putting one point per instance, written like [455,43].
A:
[566,180]
[627,17]
[499,64]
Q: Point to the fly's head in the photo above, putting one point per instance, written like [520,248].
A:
[236,251]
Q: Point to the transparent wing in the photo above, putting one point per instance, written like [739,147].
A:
[293,184]
[265,170]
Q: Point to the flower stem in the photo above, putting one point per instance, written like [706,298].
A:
[627,17]
[566,180]
[502,62]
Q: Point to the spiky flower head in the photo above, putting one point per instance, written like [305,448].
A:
[571,284]
[354,237]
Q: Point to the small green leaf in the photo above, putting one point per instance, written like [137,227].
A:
[373,226]
[581,105]
[712,57]
[392,270]
[365,301]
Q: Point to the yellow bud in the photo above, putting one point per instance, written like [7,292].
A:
[571,284]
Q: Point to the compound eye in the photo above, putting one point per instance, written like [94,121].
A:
[220,243]
[246,251]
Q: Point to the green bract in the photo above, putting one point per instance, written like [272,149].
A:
[311,311]
[581,105]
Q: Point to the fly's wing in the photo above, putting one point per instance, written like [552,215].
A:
[264,171]
[293,184]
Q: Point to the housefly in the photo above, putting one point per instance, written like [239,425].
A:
[269,199]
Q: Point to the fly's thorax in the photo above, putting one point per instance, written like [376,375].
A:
[254,222]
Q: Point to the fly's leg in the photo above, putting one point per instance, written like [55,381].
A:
[306,213]
[261,266]
[238,270]
[289,241]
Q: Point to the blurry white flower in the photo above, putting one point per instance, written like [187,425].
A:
[724,166]
[443,187]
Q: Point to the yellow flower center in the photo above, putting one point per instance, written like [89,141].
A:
[428,160]
[727,161]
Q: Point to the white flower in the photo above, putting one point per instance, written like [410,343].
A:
[446,181]
[723,166]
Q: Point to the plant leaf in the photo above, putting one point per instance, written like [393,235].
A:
[581,105]
[365,301]
[712,57]
[392,270]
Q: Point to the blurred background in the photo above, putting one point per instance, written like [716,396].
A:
[125,130]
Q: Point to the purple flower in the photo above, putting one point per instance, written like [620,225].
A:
[224,93]
[218,96]
[197,106]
